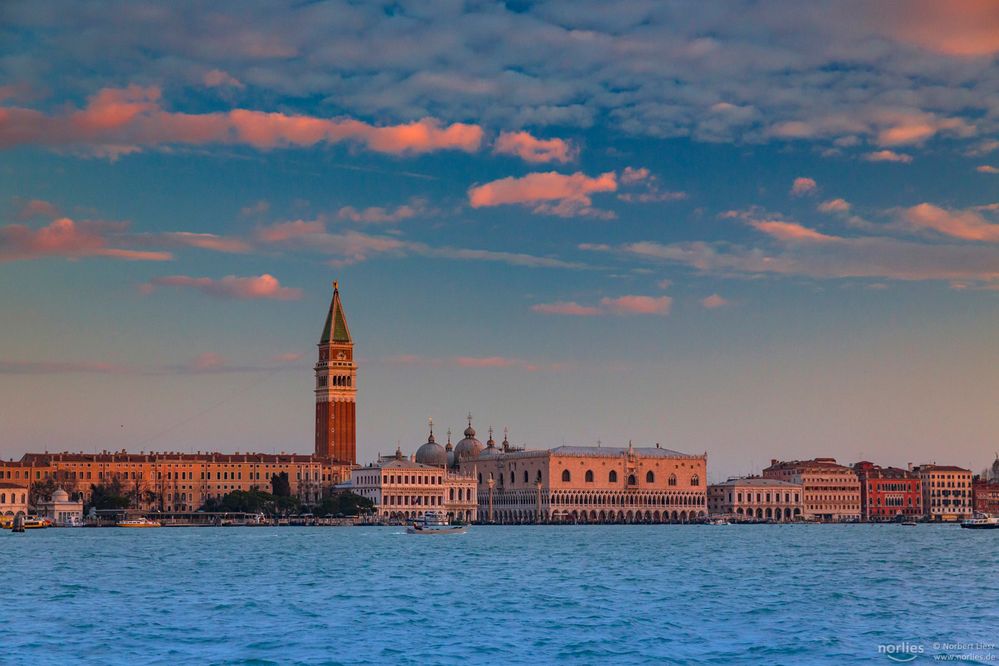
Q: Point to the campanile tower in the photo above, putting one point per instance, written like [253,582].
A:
[336,388]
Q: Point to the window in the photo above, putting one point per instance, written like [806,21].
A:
[589,476]
[566,477]
[650,477]
[526,477]
[672,480]
[632,480]
[612,477]
[695,480]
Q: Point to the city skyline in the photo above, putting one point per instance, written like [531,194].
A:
[758,233]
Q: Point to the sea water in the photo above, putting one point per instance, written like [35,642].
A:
[664,594]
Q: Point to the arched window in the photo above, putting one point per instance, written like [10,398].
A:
[511,476]
[539,476]
[612,477]
[672,479]
[650,477]
[480,477]
[589,476]
[695,480]
[526,477]
[566,477]
[631,480]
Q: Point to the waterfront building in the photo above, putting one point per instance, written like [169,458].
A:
[61,510]
[13,499]
[888,493]
[985,491]
[830,492]
[336,388]
[584,484]
[946,492]
[177,481]
[756,498]
[404,489]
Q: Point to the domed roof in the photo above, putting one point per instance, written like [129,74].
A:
[431,453]
[468,448]
[60,495]
[490,451]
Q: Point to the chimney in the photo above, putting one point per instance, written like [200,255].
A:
[909,465]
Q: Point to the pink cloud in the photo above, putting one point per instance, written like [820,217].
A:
[531,149]
[216,78]
[285,231]
[714,301]
[570,193]
[632,175]
[964,224]
[986,168]
[802,186]
[622,305]
[66,238]
[289,357]
[208,241]
[834,206]
[207,361]
[240,288]
[258,208]
[790,231]
[888,156]
[121,120]
[963,28]
[381,215]
[33,208]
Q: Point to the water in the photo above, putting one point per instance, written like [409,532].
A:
[780,594]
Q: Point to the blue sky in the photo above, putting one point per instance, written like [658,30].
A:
[742,228]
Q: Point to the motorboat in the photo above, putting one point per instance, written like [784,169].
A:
[138,522]
[981,523]
[908,523]
[719,521]
[36,523]
[434,522]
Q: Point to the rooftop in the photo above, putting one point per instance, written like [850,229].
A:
[756,481]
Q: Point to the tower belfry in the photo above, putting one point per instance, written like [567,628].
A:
[336,388]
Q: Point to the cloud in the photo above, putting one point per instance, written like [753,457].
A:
[121,120]
[548,193]
[622,305]
[986,168]
[207,241]
[534,150]
[29,209]
[887,156]
[69,239]
[216,78]
[207,361]
[803,186]
[963,224]
[474,362]
[714,301]
[965,28]
[230,287]
[834,206]
[790,231]
[381,215]
[281,232]
[261,207]
[649,189]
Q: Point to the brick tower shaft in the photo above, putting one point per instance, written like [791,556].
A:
[336,388]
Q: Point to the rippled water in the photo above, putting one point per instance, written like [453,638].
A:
[780,594]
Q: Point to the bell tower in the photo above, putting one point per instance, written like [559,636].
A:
[336,388]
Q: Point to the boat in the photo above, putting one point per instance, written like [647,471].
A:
[981,523]
[434,522]
[719,521]
[138,522]
[908,523]
[36,523]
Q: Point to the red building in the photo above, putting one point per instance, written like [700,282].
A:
[985,496]
[336,389]
[887,493]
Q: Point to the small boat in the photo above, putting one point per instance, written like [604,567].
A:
[719,521]
[138,522]
[908,523]
[435,522]
[36,523]
[981,523]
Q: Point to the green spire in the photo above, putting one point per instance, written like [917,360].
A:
[335,329]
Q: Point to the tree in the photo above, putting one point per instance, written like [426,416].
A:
[41,491]
[108,496]
[343,503]
[280,485]
[252,501]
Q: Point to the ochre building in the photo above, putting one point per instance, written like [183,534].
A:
[830,492]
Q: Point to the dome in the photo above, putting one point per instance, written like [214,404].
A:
[60,495]
[490,451]
[431,453]
[468,448]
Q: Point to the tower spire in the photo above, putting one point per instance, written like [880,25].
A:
[335,329]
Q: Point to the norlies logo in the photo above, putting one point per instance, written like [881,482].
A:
[901,652]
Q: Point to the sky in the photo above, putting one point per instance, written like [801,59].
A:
[752,229]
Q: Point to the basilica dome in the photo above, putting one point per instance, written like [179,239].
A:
[468,448]
[490,451]
[432,453]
